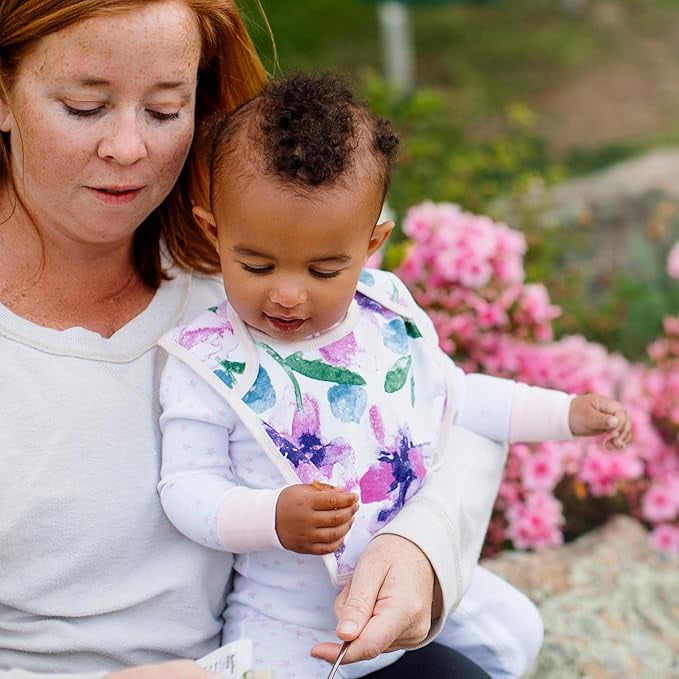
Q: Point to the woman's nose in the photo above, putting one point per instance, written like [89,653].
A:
[124,143]
[288,295]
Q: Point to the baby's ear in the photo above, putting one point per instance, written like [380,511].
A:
[205,219]
[379,235]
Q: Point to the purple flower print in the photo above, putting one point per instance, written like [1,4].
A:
[207,326]
[340,352]
[370,304]
[305,450]
[398,473]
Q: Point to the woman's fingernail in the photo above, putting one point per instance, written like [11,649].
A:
[347,627]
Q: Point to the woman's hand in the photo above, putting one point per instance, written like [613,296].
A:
[591,414]
[175,669]
[314,518]
[388,604]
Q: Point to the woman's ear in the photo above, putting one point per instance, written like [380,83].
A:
[380,234]
[205,219]
[5,116]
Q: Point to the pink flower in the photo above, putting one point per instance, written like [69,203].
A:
[535,523]
[542,471]
[666,538]
[660,503]
[597,471]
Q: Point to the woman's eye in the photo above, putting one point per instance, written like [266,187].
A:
[82,112]
[324,274]
[159,115]
[256,269]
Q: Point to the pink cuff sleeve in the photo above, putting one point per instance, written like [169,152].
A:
[539,414]
[246,521]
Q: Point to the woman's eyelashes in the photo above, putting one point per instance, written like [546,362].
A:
[76,112]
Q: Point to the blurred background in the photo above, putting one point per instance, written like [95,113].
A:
[501,104]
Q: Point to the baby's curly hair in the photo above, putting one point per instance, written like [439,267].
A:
[306,131]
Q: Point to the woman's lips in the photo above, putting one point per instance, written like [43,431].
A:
[285,324]
[117,196]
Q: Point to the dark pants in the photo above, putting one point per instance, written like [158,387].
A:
[431,662]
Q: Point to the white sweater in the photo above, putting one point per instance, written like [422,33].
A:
[92,575]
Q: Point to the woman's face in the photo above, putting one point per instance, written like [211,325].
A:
[101,119]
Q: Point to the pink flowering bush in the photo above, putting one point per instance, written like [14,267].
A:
[467,272]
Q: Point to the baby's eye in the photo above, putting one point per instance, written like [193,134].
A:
[324,274]
[256,269]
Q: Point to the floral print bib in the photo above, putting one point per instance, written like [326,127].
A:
[361,407]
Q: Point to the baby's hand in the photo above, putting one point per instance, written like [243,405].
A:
[314,518]
[592,414]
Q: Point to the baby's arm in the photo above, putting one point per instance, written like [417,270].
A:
[200,492]
[509,411]
[198,489]
[512,411]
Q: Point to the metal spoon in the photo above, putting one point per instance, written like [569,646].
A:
[340,655]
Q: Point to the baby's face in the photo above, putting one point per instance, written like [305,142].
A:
[291,263]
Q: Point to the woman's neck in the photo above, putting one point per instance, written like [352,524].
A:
[58,283]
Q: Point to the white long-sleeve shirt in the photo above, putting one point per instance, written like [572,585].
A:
[221,490]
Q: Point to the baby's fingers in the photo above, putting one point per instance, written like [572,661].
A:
[623,435]
[333,518]
[328,540]
[328,500]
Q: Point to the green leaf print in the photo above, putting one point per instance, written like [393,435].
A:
[412,330]
[232,366]
[324,372]
[281,361]
[397,375]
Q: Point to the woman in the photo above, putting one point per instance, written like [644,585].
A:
[99,100]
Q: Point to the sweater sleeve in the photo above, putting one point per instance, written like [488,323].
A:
[198,488]
[448,518]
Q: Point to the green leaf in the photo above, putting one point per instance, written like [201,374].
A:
[397,375]
[318,370]
[412,330]
[232,366]
[281,361]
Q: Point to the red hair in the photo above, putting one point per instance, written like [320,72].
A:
[230,73]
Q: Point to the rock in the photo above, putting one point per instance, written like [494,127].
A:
[609,601]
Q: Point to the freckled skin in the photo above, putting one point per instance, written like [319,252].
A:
[136,74]
[62,156]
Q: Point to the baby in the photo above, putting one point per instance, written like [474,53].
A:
[317,374]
